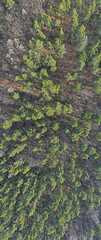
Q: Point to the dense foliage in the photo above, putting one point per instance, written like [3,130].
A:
[39,202]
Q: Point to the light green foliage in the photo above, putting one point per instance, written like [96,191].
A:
[7,124]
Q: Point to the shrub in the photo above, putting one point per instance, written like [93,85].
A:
[98,136]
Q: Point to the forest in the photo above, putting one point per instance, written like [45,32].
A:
[57,125]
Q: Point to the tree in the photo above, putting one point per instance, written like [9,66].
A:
[75,21]
[98,136]
[77,86]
